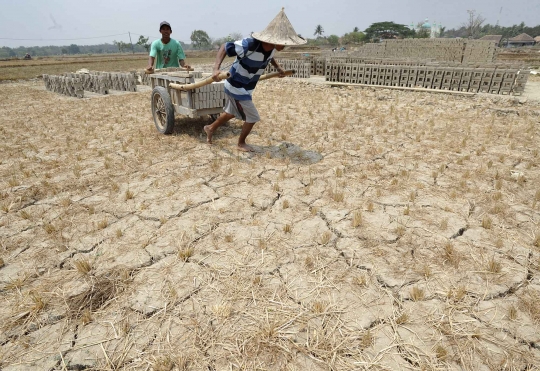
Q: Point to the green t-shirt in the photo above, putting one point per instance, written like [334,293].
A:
[167,55]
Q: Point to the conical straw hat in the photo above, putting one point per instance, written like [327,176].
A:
[279,32]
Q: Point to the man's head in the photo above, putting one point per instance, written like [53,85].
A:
[165,29]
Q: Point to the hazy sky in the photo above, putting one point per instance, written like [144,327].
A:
[79,19]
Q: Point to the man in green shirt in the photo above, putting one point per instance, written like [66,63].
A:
[167,51]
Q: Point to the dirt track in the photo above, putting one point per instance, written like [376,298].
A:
[373,229]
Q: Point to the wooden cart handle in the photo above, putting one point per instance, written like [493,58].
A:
[198,84]
[276,74]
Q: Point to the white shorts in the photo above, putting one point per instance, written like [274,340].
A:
[243,110]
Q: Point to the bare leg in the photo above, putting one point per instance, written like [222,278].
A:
[246,129]
[209,129]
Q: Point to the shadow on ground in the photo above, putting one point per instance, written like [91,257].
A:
[288,150]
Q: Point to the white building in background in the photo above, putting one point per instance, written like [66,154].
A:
[433,29]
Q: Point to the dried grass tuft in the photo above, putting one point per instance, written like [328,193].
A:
[101,290]
[185,253]
[357,219]
[83,266]
[417,293]
[493,266]
[325,237]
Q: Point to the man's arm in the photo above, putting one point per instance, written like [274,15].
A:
[150,66]
[278,67]
[217,64]
[183,63]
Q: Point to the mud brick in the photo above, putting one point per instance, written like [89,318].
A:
[495,87]
[510,74]
[498,75]
[367,78]
[485,84]
[411,80]
[403,80]
[507,85]
[428,82]
[455,84]
[474,86]
[464,85]
[477,74]
[488,73]
[436,82]
[395,80]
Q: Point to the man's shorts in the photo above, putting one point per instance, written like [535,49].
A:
[243,110]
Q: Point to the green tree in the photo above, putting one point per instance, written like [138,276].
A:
[122,46]
[74,49]
[353,38]
[356,29]
[200,39]
[387,30]
[333,40]
[143,41]
[318,31]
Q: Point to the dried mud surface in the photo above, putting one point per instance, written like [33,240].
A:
[372,229]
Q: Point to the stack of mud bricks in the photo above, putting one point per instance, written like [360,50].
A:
[94,82]
[102,82]
[64,85]
[479,51]
[443,50]
[302,68]
[491,79]
[208,96]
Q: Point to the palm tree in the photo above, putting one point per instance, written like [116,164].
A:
[318,31]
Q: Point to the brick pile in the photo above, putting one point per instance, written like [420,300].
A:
[302,67]
[493,79]
[70,86]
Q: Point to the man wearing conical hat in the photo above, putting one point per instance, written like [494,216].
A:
[252,56]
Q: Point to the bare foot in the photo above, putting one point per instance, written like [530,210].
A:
[245,148]
[209,133]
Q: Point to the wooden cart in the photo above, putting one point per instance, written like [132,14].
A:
[170,98]
[187,93]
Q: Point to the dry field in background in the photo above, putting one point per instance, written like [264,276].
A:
[374,229]
[21,69]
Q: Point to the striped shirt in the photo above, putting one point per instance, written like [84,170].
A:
[251,60]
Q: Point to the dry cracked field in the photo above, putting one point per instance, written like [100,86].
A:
[373,229]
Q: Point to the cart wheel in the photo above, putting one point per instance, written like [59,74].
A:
[162,110]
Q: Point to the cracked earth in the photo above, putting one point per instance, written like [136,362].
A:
[372,229]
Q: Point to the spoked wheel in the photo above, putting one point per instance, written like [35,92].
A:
[162,110]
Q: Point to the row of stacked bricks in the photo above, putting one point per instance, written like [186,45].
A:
[448,50]
[487,80]
[102,82]
[64,85]
[94,82]
[302,68]
[208,96]
[479,51]
[444,50]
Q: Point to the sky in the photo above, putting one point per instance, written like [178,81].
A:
[83,22]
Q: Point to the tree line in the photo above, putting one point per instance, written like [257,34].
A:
[474,27]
